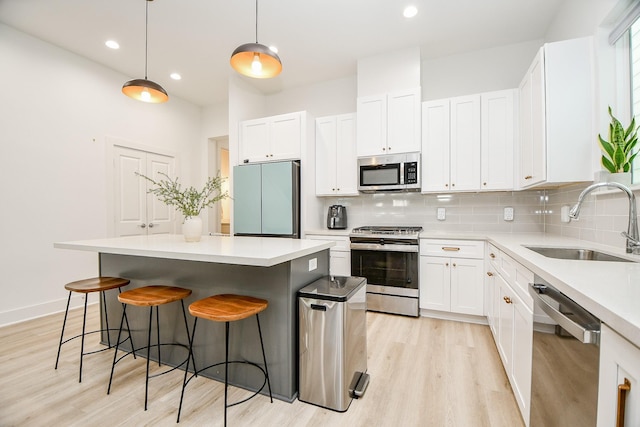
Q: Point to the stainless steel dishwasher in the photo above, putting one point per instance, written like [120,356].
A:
[333,342]
[564,378]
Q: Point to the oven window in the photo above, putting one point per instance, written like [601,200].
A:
[396,269]
[380,175]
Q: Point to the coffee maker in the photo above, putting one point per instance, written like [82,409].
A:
[337,217]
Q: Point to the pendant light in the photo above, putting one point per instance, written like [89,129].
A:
[144,89]
[255,59]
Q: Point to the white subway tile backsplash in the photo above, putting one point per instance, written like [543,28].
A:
[602,217]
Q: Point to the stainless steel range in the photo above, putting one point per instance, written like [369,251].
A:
[388,257]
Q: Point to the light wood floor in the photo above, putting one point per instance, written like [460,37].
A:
[424,372]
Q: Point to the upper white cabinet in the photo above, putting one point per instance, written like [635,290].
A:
[336,162]
[467,143]
[619,381]
[497,139]
[271,138]
[389,123]
[555,115]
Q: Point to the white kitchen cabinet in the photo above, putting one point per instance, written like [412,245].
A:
[511,317]
[556,115]
[467,143]
[272,138]
[619,368]
[451,276]
[340,254]
[436,134]
[497,139]
[336,163]
[451,144]
[389,123]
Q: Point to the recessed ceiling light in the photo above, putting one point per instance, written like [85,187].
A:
[112,44]
[273,49]
[410,11]
[175,76]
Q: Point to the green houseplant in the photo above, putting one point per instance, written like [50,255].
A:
[618,152]
[188,201]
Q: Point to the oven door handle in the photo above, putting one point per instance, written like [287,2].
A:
[384,248]
[587,331]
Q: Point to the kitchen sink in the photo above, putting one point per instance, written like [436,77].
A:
[576,254]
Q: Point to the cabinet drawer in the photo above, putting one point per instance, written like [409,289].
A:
[452,248]
[493,255]
[342,242]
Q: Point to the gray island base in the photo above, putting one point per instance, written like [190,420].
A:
[273,269]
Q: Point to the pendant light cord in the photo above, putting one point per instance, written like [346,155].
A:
[256,21]
[146,36]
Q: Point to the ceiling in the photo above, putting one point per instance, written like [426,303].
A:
[318,40]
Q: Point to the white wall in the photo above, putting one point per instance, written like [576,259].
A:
[57,109]
[321,99]
[578,18]
[481,71]
[389,72]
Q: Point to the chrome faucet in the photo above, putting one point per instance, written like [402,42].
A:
[633,242]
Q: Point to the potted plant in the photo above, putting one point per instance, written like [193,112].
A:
[618,152]
[188,201]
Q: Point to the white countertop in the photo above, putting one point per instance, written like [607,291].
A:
[254,251]
[609,290]
[329,232]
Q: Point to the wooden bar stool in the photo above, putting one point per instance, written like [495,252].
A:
[227,308]
[87,286]
[151,296]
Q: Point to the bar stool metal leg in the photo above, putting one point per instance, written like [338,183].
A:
[64,324]
[186,370]
[226,369]
[84,324]
[264,358]
[146,383]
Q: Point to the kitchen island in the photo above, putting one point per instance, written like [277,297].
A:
[270,268]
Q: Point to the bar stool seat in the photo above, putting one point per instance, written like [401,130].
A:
[87,286]
[152,296]
[227,308]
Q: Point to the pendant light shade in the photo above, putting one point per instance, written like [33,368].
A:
[256,60]
[144,89]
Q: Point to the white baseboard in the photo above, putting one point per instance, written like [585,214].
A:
[23,314]
[480,320]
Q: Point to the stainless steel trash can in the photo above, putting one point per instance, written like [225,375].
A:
[333,342]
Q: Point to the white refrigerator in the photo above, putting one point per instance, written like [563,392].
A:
[266,199]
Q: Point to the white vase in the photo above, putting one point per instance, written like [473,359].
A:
[623,178]
[192,228]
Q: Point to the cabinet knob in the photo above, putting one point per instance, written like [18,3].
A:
[490,274]
[507,300]
[446,185]
[143,225]
[338,189]
[453,185]
[446,264]
[150,225]
[492,255]
[383,149]
[528,177]
[484,183]
[454,264]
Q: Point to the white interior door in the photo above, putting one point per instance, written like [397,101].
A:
[159,215]
[136,212]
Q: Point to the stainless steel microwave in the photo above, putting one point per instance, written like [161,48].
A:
[394,172]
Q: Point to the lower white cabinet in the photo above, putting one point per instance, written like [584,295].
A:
[452,280]
[340,254]
[619,381]
[511,321]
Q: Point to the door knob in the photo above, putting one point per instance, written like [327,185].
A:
[143,225]
[150,225]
